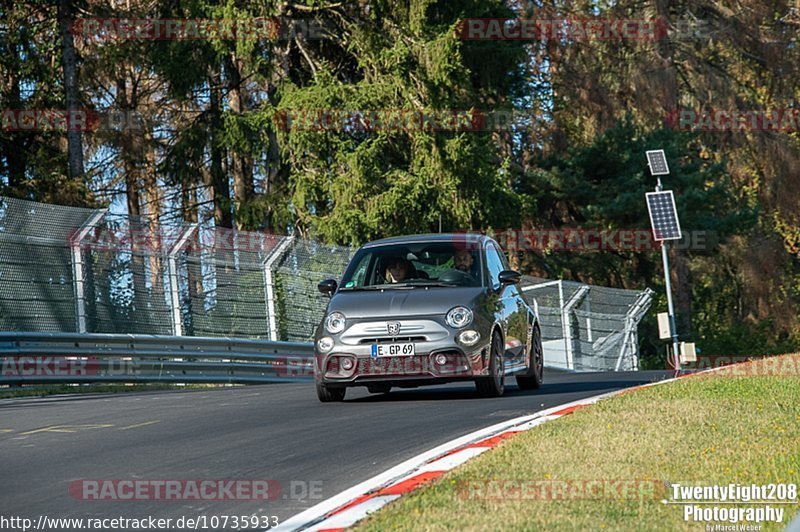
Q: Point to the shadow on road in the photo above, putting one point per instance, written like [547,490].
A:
[559,384]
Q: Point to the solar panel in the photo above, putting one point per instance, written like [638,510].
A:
[657,162]
[663,216]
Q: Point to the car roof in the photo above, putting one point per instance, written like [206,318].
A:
[472,238]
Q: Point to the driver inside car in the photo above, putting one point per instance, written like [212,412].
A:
[463,260]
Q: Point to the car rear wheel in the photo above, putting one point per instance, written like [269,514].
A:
[494,384]
[326,394]
[532,379]
[379,388]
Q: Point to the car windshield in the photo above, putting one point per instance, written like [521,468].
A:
[410,265]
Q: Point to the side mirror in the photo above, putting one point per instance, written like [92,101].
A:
[509,277]
[327,287]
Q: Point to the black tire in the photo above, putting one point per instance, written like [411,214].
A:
[326,394]
[494,384]
[379,388]
[532,380]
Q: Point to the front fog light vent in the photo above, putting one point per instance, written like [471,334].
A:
[325,344]
[469,337]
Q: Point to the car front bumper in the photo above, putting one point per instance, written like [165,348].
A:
[443,364]
[439,356]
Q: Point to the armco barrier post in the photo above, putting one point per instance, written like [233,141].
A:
[269,286]
[172,263]
[77,270]
[632,318]
[566,319]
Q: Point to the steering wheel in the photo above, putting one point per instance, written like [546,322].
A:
[456,276]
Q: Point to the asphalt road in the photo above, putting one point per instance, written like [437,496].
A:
[274,432]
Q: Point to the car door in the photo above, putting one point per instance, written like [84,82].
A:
[513,319]
[520,318]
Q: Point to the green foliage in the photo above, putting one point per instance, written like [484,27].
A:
[745,338]
[353,184]
[33,164]
[602,186]
[216,111]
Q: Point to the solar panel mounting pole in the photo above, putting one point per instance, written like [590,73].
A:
[657,162]
[673,330]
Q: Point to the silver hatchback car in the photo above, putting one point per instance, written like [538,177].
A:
[426,309]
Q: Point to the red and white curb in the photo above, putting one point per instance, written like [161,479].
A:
[345,509]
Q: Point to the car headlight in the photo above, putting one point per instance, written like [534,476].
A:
[459,317]
[325,344]
[334,323]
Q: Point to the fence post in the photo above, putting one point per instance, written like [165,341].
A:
[588,307]
[269,286]
[172,264]
[632,318]
[77,269]
[565,328]
[566,319]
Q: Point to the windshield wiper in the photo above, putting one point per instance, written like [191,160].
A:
[424,284]
[391,286]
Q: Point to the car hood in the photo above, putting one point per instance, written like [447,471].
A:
[400,302]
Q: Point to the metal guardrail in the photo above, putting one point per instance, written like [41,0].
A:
[586,327]
[43,358]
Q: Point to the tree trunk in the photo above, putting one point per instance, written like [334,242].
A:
[219,181]
[682,279]
[194,281]
[277,174]
[153,210]
[241,161]
[131,156]
[188,203]
[130,150]
[669,100]
[70,65]
[14,149]
[13,146]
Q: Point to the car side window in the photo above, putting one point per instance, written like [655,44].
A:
[494,264]
[503,259]
[359,276]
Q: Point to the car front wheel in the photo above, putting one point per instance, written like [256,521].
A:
[494,384]
[326,394]
[532,379]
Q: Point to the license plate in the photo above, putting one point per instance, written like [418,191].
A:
[392,350]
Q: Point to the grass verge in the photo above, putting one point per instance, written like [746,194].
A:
[570,474]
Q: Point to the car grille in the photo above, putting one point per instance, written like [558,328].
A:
[389,340]
[411,330]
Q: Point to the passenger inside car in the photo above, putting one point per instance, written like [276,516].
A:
[398,269]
